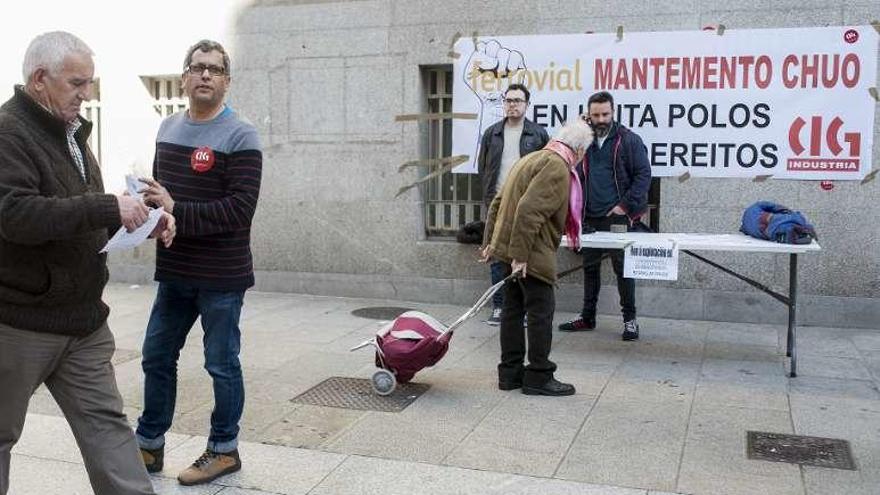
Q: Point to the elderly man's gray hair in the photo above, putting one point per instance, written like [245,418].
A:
[576,134]
[48,51]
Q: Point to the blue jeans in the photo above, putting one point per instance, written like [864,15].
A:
[176,308]
[497,270]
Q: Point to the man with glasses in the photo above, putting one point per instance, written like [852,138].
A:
[501,146]
[207,171]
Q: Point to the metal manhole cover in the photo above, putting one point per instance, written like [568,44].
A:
[380,312]
[357,393]
[797,449]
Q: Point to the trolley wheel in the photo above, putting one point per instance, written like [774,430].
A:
[384,382]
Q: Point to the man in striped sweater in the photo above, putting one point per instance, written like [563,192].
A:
[207,171]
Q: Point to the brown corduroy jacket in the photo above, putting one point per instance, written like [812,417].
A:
[527,217]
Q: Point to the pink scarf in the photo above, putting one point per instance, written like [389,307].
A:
[575,196]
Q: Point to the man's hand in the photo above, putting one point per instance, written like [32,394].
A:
[519,266]
[156,194]
[617,210]
[132,211]
[485,254]
[166,229]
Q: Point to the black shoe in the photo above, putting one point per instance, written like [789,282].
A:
[578,325]
[552,387]
[153,459]
[509,385]
[630,330]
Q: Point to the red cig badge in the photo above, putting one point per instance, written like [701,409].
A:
[202,159]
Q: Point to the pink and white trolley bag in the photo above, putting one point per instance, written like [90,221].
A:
[412,341]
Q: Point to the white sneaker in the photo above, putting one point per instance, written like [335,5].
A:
[495,319]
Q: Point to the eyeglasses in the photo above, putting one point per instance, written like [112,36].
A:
[199,69]
[514,101]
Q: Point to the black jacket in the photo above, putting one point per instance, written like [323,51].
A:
[533,138]
[52,224]
[632,173]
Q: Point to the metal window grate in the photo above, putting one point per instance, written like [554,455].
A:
[357,393]
[797,449]
[451,200]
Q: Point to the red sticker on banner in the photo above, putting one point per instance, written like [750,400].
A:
[826,185]
[202,159]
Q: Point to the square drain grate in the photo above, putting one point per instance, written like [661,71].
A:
[357,393]
[797,449]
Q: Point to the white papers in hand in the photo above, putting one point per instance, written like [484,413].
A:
[124,239]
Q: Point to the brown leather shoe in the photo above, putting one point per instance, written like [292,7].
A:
[153,459]
[210,466]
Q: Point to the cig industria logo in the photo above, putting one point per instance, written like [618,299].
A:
[809,154]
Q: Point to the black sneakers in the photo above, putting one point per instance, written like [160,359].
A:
[578,325]
[630,330]
[552,387]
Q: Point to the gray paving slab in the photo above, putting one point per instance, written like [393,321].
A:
[308,426]
[833,390]
[28,476]
[744,333]
[871,360]
[867,341]
[370,476]
[743,351]
[750,384]
[545,427]
[431,427]
[622,433]
[825,341]
[49,437]
[832,367]
[269,468]
[650,379]
[714,459]
[241,491]
[853,415]
[165,486]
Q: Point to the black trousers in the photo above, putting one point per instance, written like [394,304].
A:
[626,287]
[536,300]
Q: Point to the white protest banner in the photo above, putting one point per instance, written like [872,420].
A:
[654,261]
[791,103]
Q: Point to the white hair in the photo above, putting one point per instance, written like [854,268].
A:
[576,134]
[48,51]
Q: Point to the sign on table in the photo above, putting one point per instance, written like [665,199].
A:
[651,260]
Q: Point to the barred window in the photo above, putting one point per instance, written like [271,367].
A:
[91,110]
[451,200]
[167,93]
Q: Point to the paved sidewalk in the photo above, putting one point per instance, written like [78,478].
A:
[666,414]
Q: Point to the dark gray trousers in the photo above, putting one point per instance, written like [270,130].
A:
[78,373]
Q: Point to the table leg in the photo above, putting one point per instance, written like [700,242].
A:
[791,341]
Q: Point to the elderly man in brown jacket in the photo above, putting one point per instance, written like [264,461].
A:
[540,200]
